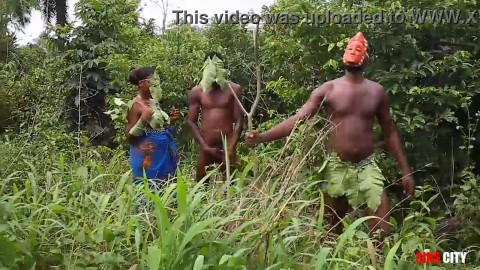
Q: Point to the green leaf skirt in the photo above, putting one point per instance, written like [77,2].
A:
[361,183]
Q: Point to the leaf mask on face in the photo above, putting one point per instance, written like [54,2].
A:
[213,71]
[155,88]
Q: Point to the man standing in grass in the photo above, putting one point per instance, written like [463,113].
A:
[352,103]
[221,115]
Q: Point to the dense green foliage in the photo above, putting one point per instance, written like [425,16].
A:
[66,198]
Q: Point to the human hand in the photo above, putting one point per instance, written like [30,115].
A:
[408,186]
[252,138]
[174,115]
[218,153]
[146,114]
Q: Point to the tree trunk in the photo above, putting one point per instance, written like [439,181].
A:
[61,12]
[165,13]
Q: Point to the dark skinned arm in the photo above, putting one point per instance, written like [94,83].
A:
[133,115]
[238,118]
[394,144]
[390,135]
[306,111]
[193,113]
[174,115]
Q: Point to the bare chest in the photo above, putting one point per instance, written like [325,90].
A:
[220,100]
[361,102]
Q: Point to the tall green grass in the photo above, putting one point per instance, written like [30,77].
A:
[84,213]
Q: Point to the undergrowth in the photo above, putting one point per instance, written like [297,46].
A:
[78,209]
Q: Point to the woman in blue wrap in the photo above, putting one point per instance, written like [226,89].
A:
[149,130]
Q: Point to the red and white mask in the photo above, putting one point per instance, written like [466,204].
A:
[356,52]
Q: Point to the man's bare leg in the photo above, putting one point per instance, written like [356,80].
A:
[201,167]
[382,213]
[335,209]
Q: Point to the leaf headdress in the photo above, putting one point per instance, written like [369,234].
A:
[213,71]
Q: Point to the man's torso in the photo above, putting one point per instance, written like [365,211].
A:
[352,109]
[217,114]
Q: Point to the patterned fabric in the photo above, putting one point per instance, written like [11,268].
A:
[155,153]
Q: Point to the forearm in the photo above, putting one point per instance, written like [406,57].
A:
[280,131]
[172,126]
[395,147]
[131,139]
[135,131]
[236,132]
[195,130]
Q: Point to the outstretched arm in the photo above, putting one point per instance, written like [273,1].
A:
[192,119]
[306,111]
[393,142]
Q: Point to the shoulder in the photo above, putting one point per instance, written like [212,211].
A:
[235,86]
[133,109]
[195,92]
[378,91]
[196,89]
[134,105]
[323,89]
[376,87]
